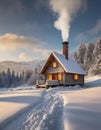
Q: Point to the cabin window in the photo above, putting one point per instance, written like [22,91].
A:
[54,64]
[60,76]
[76,76]
[50,77]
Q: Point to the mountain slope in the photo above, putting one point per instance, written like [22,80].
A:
[20,66]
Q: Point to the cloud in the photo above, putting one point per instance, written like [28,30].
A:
[22,48]
[42,51]
[14,42]
[96,29]
[19,47]
[25,57]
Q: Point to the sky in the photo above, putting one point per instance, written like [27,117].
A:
[27,29]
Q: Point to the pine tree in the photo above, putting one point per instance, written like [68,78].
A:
[13,79]
[97,51]
[75,56]
[0,79]
[9,76]
[28,74]
[81,53]
[88,55]
[96,69]
[4,79]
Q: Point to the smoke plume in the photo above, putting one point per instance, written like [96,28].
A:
[66,10]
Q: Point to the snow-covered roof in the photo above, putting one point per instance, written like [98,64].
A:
[70,66]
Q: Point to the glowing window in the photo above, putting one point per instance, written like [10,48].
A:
[76,76]
[54,64]
[60,76]
[50,77]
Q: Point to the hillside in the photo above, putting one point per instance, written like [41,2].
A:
[21,66]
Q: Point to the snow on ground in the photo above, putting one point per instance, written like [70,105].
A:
[93,81]
[17,101]
[82,107]
[47,116]
[69,108]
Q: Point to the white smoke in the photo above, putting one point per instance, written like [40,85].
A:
[66,10]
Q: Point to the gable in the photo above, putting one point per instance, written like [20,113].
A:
[49,65]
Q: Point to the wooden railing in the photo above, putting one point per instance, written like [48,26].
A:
[47,84]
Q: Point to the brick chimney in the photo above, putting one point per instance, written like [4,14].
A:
[65,49]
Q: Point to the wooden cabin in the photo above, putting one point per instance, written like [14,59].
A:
[59,70]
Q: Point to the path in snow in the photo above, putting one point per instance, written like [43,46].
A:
[42,114]
[47,116]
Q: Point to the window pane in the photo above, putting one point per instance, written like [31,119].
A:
[54,64]
[50,77]
[75,76]
[60,76]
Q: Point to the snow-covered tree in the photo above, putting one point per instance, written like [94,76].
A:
[96,68]
[9,75]
[0,79]
[75,56]
[28,74]
[33,79]
[4,79]
[13,78]
[97,51]
[81,53]
[88,55]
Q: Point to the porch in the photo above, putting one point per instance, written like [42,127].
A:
[47,83]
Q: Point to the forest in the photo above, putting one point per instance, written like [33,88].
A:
[13,79]
[89,57]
